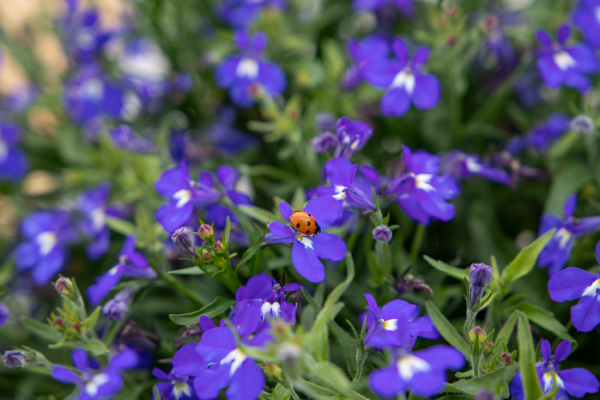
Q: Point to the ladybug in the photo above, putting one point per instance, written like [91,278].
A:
[304,223]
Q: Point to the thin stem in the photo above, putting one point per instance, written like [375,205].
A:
[290,386]
[417,243]
[162,269]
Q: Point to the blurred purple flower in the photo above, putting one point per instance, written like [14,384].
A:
[557,251]
[242,73]
[116,308]
[242,13]
[463,166]
[93,210]
[4,313]
[561,65]
[84,36]
[224,136]
[575,382]
[130,264]
[369,48]
[586,17]
[308,249]
[176,387]
[350,137]
[405,7]
[13,162]
[124,137]
[403,80]
[541,136]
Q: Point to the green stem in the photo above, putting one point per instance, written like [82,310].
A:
[290,386]
[416,244]
[184,289]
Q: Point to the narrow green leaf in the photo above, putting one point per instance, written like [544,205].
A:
[545,319]
[227,231]
[531,383]
[90,321]
[281,393]
[120,225]
[195,270]
[490,381]
[41,330]
[259,214]
[457,273]
[447,330]
[506,331]
[249,253]
[525,260]
[211,310]
[96,347]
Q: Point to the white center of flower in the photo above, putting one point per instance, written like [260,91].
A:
[592,289]
[182,388]
[410,365]
[3,150]
[563,236]
[182,197]
[564,60]
[114,269]
[549,381]
[597,14]
[236,358]
[92,386]
[422,182]
[404,79]
[92,89]
[305,240]
[98,218]
[131,106]
[46,241]
[247,68]
[472,165]
[150,63]
[389,325]
[268,307]
[85,39]
[340,194]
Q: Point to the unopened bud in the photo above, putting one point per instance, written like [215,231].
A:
[77,325]
[116,308]
[218,246]
[382,233]
[4,313]
[506,358]
[480,275]
[273,371]
[14,359]
[206,256]
[325,142]
[488,346]
[205,231]
[183,239]
[58,321]
[64,286]
[479,332]
[582,124]
[288,351]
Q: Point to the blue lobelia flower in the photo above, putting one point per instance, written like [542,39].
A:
[46,234]
[227,366]
[350,137]
[261,300]
[541,136]
[405,7]
[92,384]
[422,194]
[84,36]
[557,251]
[341,173]
[4,313]
[225,137]
[131,264]
[422,372]
[308,249]
[561,65]
[187,362]
[244,73]
[116,308]
[575,382]
[177,387]
[463,166]
[586,16]
[403,80]
[13,162]
[175,184]
[242,13]
[395,324]
[371,47]
[574,283]
[125,138]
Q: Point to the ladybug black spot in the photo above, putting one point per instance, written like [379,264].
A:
[309,215]
[298,225]
[307,231]
[308,223]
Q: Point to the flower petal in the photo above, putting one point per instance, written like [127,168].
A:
[206,323]
[172,217]
[187,362]
[325,210]
[247,318]
[329,246]
[216,344]
[258,287]
[579,381]
[64,375]
[427,91]
[80,359]
[307,263]
[340,172]
[569,284]
[225,71]
[586,314]
[386,382]
[395,102]
[372,306]
[247,382]
[285,210]
[546,350]
[210,381]
[562,351]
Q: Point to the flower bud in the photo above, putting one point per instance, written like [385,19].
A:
[116,308]
[58,321]
[205,231]
[582,124]
[218,246]
[4,313]
[273,371]
[506,358]
[382,233]
[77,325]
[14,359]
[288,351]
[480,275]
[485,395]
[477,332]
[183,239]
[64,286]
[488,347]
[324,143]
[206,256]
[325,121]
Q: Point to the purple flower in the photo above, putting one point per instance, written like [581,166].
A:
[131,264]
[561,65]
[308,249]
[175,184]
[403,80]
[116,308]
[371,47]
[46,233]
[382,233]
[126,138]
[13,162]
[350,137]
[574,283]
[85,38]
[405,7]
[177,387]
[91,384]
[557,251]
[463,166]
[575,382]
[540,136]
[395,324]
[5,313]
[92,207]
[242,13]
[422,194]
[498,45]
[325,142]
[422,372]
[480,275]
[225,137]
[586,17]
[261,300]
[243,73]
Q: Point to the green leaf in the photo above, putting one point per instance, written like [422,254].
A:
[570,179]
[187,271]
[249,253]
[531,383]
[491,381]
[447,330]
[227,232]
[90,321]
[506,331]
[544,318]
[96,347]
[259,214]
[211,310]
[458,273]
[281,393]
[41,330]
[525,260]
[120,225]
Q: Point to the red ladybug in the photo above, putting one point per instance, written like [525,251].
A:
[304,223]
